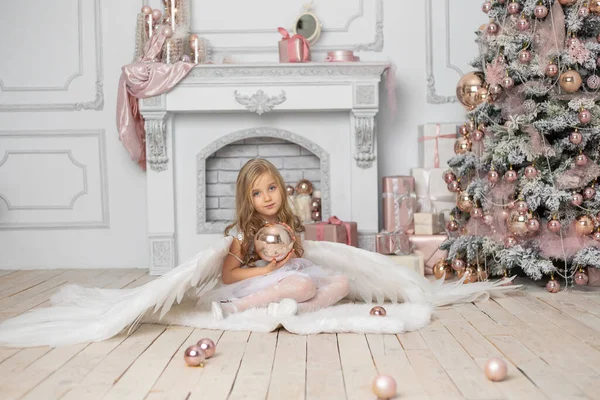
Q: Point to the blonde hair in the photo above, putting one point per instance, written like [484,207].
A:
[247,220]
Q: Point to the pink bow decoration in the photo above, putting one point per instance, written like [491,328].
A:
[291,42]
[436,148]
[333,220]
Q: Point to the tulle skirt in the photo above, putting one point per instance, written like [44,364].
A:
[243,288]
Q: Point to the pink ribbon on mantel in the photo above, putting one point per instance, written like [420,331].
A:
[290,43]
[333,220]
[436,148]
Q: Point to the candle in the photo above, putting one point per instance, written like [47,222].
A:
[168,52]
[149,25]
[173,11]
[196,50]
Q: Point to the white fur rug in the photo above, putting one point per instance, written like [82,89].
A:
[339,318]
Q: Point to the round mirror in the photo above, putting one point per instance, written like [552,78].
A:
[308,26]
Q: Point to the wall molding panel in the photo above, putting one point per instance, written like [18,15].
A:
[68,96]
[74,183]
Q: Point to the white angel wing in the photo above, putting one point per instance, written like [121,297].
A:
[82,315]
[374,276]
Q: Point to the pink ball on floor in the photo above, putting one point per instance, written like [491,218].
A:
[208,346]
[384,387]
[194,356]
[495,369]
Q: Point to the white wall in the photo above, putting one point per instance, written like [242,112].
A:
[74,199]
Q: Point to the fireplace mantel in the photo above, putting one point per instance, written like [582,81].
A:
[264,89]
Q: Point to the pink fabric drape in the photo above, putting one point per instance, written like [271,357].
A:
[139,80]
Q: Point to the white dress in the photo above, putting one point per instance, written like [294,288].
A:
[295,266]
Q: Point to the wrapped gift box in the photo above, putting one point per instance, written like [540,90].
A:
[392,243]
[293,49]
[429,223]
[413,261]
[333,230]
[432,192]
[398,203]
[593,276]
[427,246]
[436,145]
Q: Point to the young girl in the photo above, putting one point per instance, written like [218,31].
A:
[291,285]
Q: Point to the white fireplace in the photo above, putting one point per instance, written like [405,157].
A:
[313,120]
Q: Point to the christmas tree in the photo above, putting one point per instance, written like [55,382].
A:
[527,158]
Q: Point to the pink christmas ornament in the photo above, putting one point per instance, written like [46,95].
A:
[552,70]
[553,286]
[510,241]
[208,346]
[486,7]
[168,31]
[593,82]
[514,8]
[522,207]
[575,137]
[156,14]
[477,136]
[495,369]
[458,264]
[384,387]
[452,225]
[524,56]
[507,82]
[589,193]
[576,199]
[572,41]
[540,11]
[530,172]
[454,186]
[533,225]
[510,176]
[583,12]
[492,28]
[596,236]
[477,213]
[522,24]
[554,225]
[495,89]
[186,58]
[493,176]
[194,356]
[449,176]
[585,116]
[146,10]
[581,160]
[580,278]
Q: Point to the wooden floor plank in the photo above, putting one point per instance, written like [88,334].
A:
[461,368]
[254,375]
[176,380]
[357,365]
[289,368]
[432,375]
[324,378]
[215,383]
[136,382]
[390,359]
[102,378]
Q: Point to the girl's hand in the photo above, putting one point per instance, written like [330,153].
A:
[274,265]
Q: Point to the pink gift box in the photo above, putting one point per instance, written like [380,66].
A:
[428,247]
[392,243]
[293,49]
[333,230]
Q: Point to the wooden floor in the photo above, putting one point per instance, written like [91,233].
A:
[551,343]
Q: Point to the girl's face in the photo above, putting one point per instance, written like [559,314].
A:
[266,197]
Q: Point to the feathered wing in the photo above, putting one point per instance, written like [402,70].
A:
[81,315]
[374,276]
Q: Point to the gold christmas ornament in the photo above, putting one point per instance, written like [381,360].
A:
[467,87]
[482,95]
[442,267]
[462,145]
[464,202]
[594,6]
[470,275]
[517,223]
[570,81]
[584,225]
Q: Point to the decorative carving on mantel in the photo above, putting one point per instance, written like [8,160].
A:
[364,131]
[260,102]
[365,95]
[162,253]
[156,139]
[202,72]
